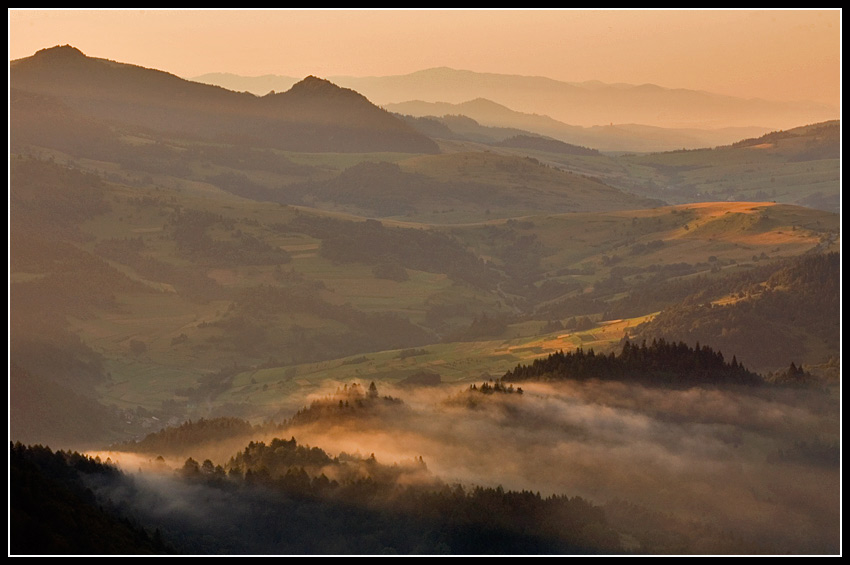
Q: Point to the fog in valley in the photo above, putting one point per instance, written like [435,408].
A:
[720,465]
[458,308]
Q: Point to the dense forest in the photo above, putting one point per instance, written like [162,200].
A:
[660,363]
[55,511]
[177,439]
[274,505]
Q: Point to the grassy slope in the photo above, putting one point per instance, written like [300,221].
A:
[581,248]
[149,379]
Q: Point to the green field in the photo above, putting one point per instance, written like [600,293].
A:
[575,249]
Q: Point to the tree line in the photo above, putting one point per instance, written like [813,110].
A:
[660,363]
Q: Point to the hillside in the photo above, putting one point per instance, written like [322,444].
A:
[468,185]
[790,313]
[544,144]
[361,510]
[661,363]
[798,166]
[53,510]
[176,303]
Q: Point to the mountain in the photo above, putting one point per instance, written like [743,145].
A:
[587,104]
[590,104]
[314,115]
[608,117]
[501,122]
[186,287]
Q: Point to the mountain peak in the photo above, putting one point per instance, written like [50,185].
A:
[60,52]
[313,81]
[313,90]
[313,85]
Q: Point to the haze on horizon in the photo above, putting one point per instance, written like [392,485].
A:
[769,54]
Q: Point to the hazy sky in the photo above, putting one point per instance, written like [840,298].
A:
[772,54]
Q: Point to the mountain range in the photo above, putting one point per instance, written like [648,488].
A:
[587,104]
[154,100]
[503,122]
[101,109]
[227,107]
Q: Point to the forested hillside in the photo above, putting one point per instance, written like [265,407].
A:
[789,312]
[660,363]
[362,511]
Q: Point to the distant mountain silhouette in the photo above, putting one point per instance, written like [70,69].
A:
[608,117]
[591,103]
[495,123]
[314,115]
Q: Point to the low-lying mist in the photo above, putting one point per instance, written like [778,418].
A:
[758,465]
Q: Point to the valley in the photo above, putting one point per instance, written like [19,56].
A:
[184,255]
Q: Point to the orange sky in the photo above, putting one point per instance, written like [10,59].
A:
[772,54]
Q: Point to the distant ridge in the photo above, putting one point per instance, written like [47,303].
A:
[608,117]
[314,115]
[591,103]
[545,144]
[612,138]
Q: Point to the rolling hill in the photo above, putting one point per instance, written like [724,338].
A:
[171,303]
[800,166]
[469,185]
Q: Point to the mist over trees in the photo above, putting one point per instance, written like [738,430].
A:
[265,488]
